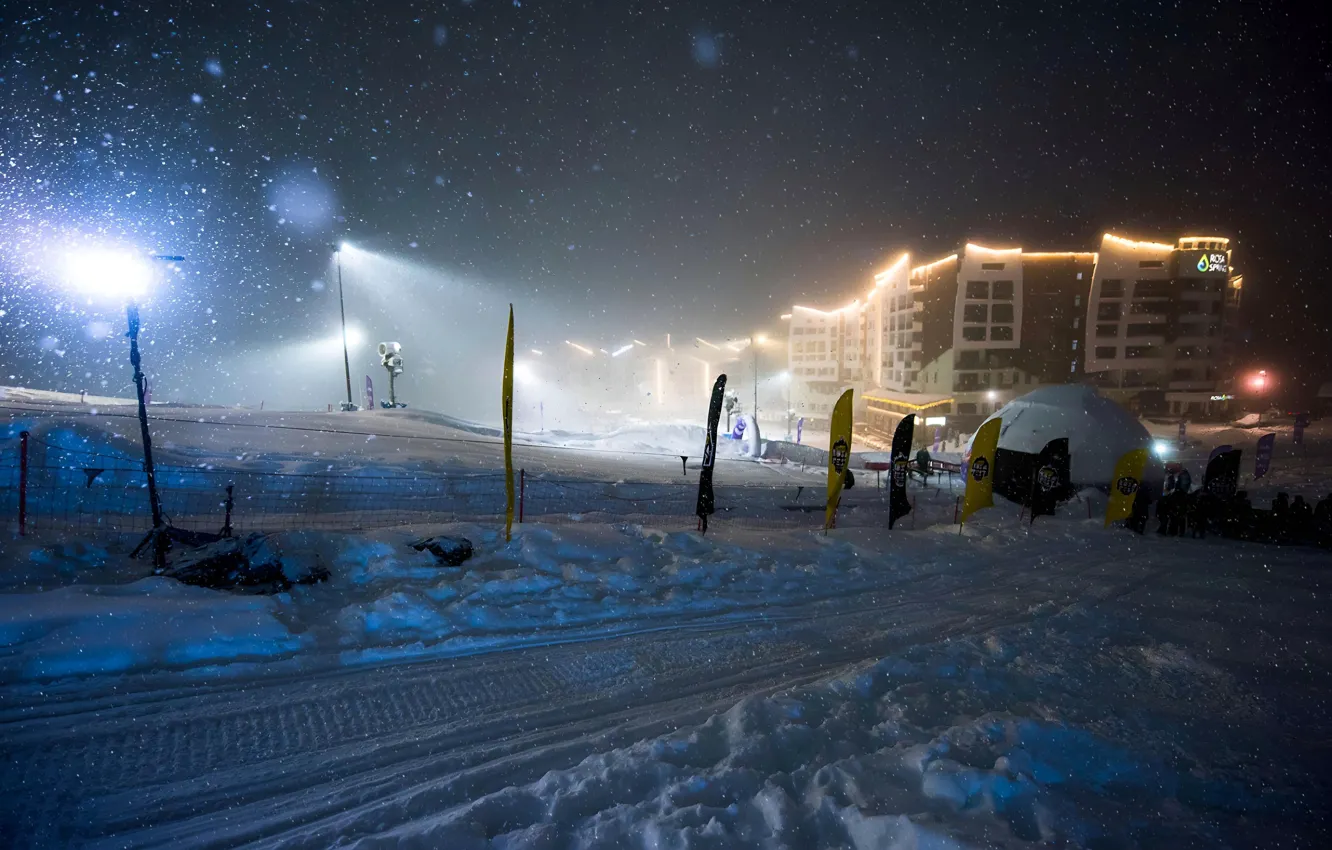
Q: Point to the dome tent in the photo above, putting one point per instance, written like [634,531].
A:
[1099,431]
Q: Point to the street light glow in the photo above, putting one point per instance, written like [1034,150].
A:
[107,273]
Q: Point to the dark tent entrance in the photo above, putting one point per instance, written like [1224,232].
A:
[1034,479]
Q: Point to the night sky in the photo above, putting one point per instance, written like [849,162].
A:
[689,167]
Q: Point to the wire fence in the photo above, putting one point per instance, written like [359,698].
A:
[72,489]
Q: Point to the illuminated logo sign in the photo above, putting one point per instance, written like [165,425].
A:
[1204,263]
[1222,397]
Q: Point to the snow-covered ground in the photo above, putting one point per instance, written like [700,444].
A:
[610,686]
[613,679]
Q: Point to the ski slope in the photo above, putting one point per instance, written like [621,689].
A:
[1177,681]
[622,681]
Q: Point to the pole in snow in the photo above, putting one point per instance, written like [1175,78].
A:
[342,310]
[157,536]
[23,483]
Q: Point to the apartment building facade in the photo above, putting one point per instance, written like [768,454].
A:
[962,335]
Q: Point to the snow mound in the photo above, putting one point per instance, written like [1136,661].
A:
[152,623]
[1099,431]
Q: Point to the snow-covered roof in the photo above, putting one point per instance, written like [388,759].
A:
[1325,390]
[1099,431]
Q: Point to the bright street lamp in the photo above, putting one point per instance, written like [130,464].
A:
[120,275]
[107,273]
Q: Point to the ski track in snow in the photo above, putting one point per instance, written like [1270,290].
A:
[276,760]
[1209,655]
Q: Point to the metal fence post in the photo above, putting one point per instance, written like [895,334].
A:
[230,503]
[23,483]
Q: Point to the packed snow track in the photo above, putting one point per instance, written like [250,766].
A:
[307,761]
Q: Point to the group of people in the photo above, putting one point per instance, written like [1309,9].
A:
[1182,510]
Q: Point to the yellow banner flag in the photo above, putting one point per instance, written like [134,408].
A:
[839,456]
[507,395]
[980,469]
[1124,485]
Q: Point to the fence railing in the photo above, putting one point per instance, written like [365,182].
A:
[70,489]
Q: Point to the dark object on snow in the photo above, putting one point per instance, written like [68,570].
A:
[250,564]
[923,465]
[1222,474]
[1050,479]
[1142,504]
[451,551]
[900,468]
[707,500]
[849,480]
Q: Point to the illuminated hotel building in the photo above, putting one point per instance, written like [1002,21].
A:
[959,337]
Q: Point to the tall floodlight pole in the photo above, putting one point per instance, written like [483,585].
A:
[124,277]
[753,343]
[158,536]
[789,410]
[346,358]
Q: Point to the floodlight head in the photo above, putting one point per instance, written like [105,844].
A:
[107,273]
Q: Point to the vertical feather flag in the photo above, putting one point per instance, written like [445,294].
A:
[900,469]
[1262,461]
[1124,486]
[980,469]
[1050,479]
[839,456]
[507,395]
[706,500]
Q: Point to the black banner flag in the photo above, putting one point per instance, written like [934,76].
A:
[707,503]
[898,503]
[1049,482]
[1222,475]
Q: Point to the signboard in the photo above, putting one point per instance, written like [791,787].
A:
[1128,477]
[1263,458]
[1202,264]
